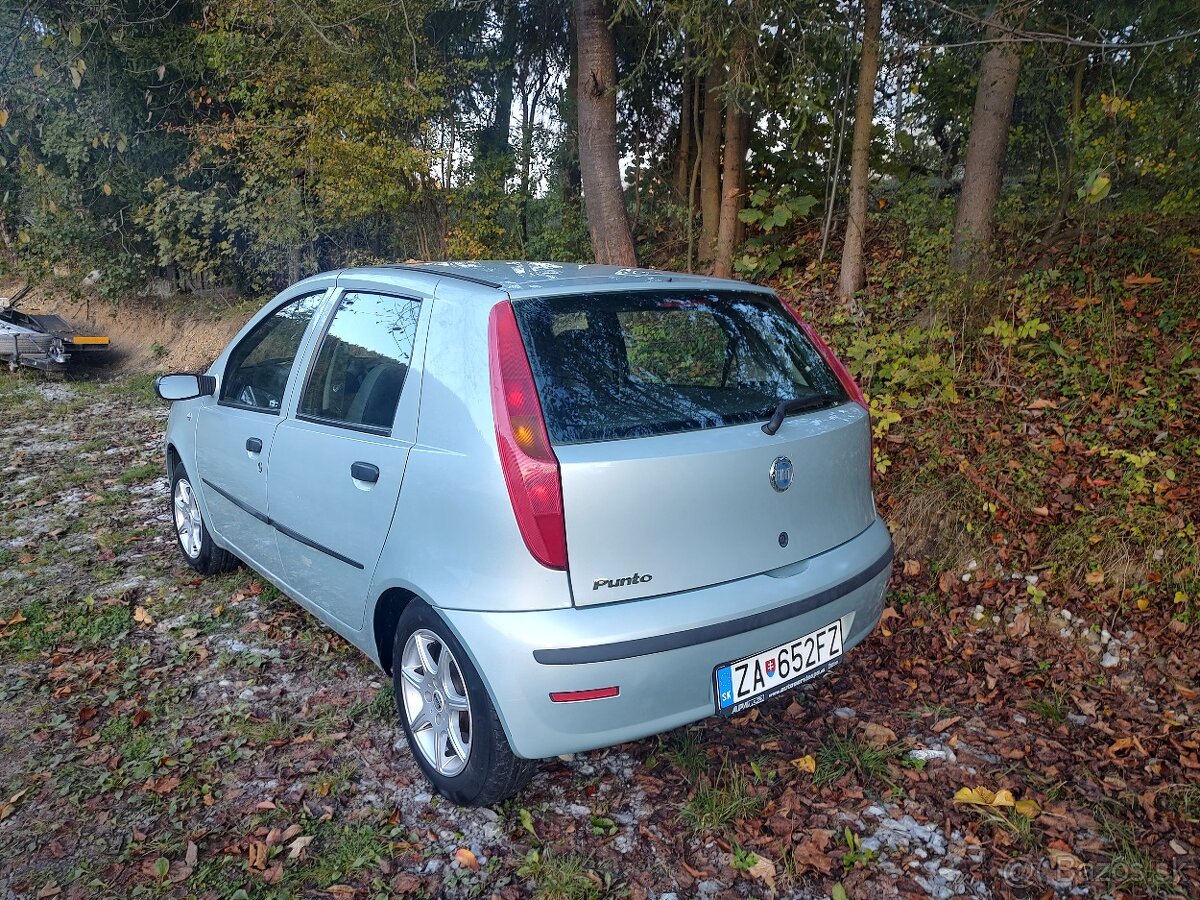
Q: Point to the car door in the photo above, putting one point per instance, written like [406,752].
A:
[337,463]
[234,434]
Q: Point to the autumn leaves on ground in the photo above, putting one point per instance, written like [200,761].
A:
[1023,723]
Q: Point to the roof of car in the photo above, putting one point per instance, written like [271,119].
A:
[519,277]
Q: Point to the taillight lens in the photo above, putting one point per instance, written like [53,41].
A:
[529,464]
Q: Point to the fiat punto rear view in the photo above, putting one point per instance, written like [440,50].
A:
[564,506]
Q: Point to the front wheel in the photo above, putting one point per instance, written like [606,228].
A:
[448,717]
[196,544]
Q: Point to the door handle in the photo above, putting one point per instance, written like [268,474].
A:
[254,445]
[361,471]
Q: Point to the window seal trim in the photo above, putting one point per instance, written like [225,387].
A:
[349,426]
[231,404]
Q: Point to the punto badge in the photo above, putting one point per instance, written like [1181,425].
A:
[781,473]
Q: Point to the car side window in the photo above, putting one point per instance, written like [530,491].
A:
[257,372]
[360,369]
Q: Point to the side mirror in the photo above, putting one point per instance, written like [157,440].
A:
[184,387]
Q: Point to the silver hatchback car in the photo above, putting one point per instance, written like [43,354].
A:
[564,506]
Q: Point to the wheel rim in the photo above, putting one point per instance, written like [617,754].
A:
[189,527]
[436,705]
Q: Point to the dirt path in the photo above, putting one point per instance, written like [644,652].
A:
[169,735]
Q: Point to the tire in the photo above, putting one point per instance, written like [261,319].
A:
[191,534]
[448,717]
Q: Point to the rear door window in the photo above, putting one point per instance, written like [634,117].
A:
[360,369]
[611,366]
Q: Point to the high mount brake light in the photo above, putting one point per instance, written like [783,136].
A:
[530,466]
[838,367]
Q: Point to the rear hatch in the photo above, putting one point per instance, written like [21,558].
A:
[654,402]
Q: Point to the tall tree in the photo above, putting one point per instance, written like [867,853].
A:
[710,165]
[999,72]
[737,133]
[854,271]
[603,194]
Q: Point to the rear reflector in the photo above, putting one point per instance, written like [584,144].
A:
[529,464]
[576,696]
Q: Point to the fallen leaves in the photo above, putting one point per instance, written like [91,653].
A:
[806,763]
[164,785]
[142,617]
[466,859]
[982,796]
[764,870]
[811,852]
[297,847]
[7,809]
[878,736]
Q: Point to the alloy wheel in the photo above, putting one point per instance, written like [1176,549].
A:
[188,524]
[435,700]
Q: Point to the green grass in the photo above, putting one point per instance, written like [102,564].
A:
[839,756]
[1183,799]
[565,876]
[144,472]
[716,804]
[1051,706]
[339,851]
[88,621]
[1129,867]
[687,751]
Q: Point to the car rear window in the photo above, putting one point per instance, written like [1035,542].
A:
[624,365]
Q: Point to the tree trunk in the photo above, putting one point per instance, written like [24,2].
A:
[982,177]
[527,115]
[573,178]
[737,133]
[603,195]
[494,140]
[710,166]
[683,151]
[854,271]
[1067,188]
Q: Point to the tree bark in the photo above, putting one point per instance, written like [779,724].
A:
[710,166]
[495,138]
[998,75]
[683,151]
[737,133]
[854,273]
[572,178]
[1067,188]
[603,194]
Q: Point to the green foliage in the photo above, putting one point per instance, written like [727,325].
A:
[772,247]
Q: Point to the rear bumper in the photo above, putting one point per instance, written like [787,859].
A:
[661,651]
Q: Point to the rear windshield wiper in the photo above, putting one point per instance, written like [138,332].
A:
[795,405]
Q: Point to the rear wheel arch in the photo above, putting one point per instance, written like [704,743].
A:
[388,609]
[173,460]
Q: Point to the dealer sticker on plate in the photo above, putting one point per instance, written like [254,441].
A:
[748,682]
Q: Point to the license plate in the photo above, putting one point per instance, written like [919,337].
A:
[750,681]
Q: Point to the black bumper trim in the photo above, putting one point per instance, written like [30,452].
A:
[572,656]
[282,529]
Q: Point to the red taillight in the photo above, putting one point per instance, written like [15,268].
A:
[591,694]
[839,369]
[529,464]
